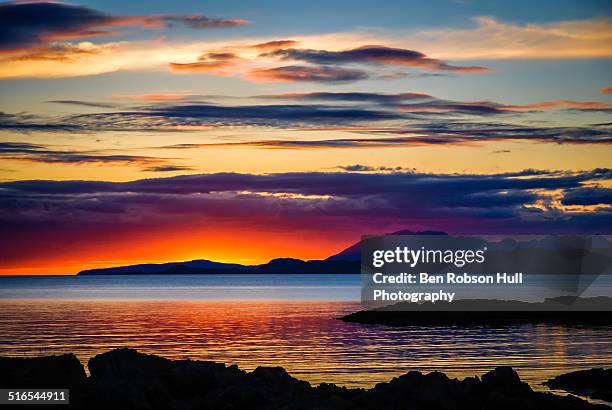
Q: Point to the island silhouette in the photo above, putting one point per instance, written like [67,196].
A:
[566,260]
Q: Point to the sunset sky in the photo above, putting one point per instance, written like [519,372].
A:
[240,131]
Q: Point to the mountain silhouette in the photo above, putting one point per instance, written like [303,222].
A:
[353,252]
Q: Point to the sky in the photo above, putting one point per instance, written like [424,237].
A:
[240,131]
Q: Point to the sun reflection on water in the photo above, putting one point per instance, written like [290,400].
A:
[304,337]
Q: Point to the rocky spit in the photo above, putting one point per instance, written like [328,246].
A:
[564,310]
[127,379]
[594,383]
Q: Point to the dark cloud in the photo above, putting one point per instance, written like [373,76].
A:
[334,184]
[350,97]
[28,23]
[453,108]
[35,23]
[270,112]
[320,74]
[424,104]
[479,131]
[370,54]
[168,168]
[367,168]
[481,108]
[588,196]
[415,103]
[455,202]
[420,103]
[314,144]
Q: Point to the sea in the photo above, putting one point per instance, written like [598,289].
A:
[272,320]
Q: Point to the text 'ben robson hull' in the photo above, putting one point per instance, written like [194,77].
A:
[450,278]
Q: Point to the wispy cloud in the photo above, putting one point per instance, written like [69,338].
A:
[435,133]
[323,66]
[354,97]
[601,106]
[36,153]
[492,108]
[90,104]
[408,118]
[274,45]
[421,102]
[197,21]
[168,116]
[371,54]
[28,123]
[209,62]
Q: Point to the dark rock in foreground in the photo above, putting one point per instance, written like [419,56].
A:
[41,372]
[126,379]
[594,383]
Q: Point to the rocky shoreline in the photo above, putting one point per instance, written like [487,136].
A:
[563,310]
[594,383]
[127,379]
[477,318]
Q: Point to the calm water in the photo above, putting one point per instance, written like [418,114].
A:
[271,320]
[183,287]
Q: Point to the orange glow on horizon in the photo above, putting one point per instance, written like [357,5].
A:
[231,246]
